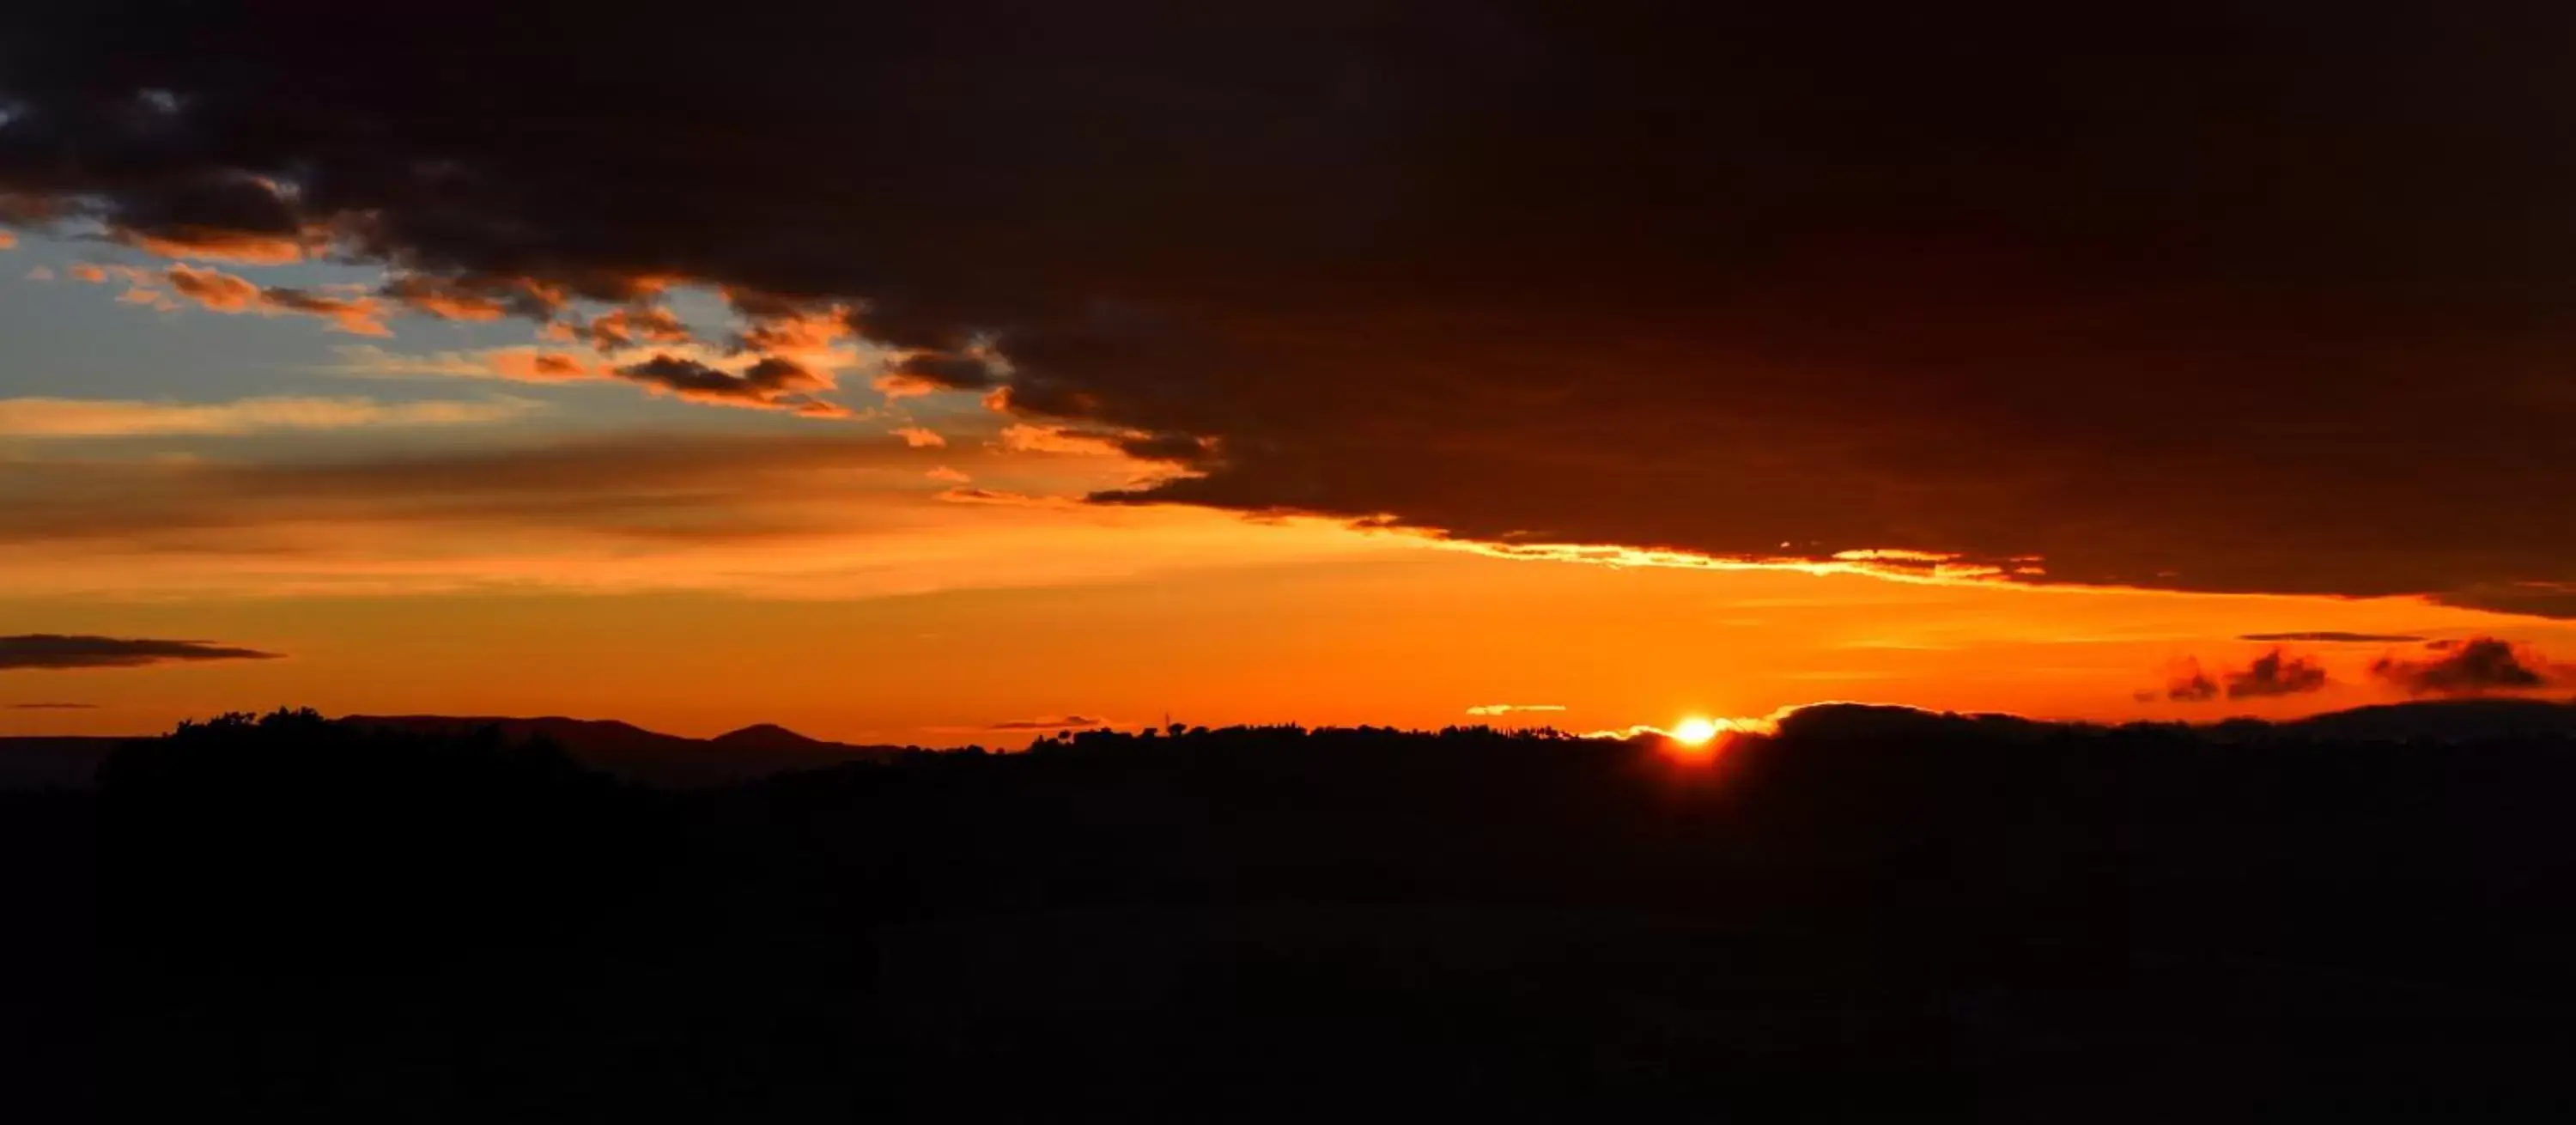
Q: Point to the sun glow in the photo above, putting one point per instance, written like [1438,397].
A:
[1694,731]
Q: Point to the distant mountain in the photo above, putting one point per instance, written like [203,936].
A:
[632,752]
[52,761]
[2443,720]
[652,757]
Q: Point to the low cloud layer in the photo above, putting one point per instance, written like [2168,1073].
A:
[2275,673]
[1781,282]
[90,418]
[1510,708]
[2477,666]
[823,512]
[62,651]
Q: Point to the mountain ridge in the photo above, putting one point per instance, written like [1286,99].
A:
[621,748]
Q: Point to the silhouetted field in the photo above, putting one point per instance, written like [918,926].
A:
[1875,914]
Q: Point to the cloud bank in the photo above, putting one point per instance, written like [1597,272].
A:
[2228,300]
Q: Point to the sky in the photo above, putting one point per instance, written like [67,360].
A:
[940,373]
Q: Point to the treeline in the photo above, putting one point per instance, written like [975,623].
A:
[1870,911]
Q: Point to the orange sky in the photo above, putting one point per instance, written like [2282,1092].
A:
[1272,627]
[424,524]
[988,411]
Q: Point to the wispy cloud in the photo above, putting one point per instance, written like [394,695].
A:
[60,651]
[90,418]
[1061,722]
[1509,708]
[217,291]
[2334,637]
[767,382]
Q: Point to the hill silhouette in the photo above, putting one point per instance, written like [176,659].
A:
[52,761]
[651,757]
[1873,912]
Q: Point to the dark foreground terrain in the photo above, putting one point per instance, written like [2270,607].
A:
[1873,915]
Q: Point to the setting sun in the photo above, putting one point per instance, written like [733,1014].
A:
[1695,731]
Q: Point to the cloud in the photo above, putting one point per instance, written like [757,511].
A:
[922,373]
[826,512]
[218,214]
[2477,666]
[918,438]
[57,651]
[53,706]
[41,273]
[357,316]
[770,382]
[1708,282]
[530,365]
[92,418]
[217,291]
[2276,673]
[1021,437]
[1509,708]
[473,298]
[999,497]
[201,244]
[2333,636]
[632,327]
[8,240]
[513,364]
[816,336]
[949,475]
[1065,722]
[2188,684]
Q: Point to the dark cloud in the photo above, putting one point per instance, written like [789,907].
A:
[2478,666]
[2276,673]
[1067,722]
[1183,448]
[2191,685]
[770,382]
[222,214]
[48,706]
[2333,636]
[926,372]
[1995,280]
[54,650]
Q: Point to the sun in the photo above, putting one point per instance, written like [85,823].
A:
[1694,731]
